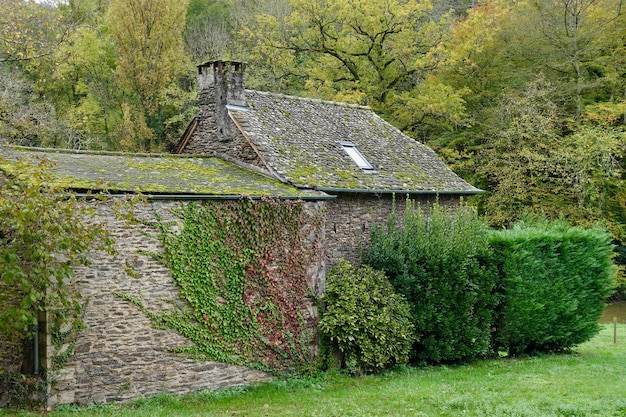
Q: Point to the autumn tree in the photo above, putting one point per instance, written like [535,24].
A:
[609,107]
[79,80]
[30,30]
[566,38]
[26,118]
[460,7]
[259,24]
[82,85]
[353,50]
[542,134]
[149,58]
[49,40]
[208,30]
[519,158]
[531,165]
[475,60]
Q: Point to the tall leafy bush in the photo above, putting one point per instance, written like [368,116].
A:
[438,259]
[45,232]
[43,236]
[555,279]
[365,319]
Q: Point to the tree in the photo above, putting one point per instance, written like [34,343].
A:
[531,166]
[352,50]
[29,30]
[476,55]
[208,30]
[43,236]
[545,108]
[478,64]
[79,77]
[48,56]
[149,45]
[27,119]
[438,258]
[609,107]
[594,155]
[566,39]
[368,325]
[82,86]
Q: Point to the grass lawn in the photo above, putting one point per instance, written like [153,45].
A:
[590,382]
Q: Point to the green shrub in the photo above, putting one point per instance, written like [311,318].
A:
[365,319]
[555,279]
[620,282]
[438,261]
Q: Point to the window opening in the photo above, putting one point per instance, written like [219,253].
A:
[356,156]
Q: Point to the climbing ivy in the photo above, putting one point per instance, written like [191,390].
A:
[242,269]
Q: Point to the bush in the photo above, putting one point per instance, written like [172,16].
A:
[43,236]
[365,319]
[555,279]
[438,261]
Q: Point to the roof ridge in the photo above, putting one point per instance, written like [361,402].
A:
[110,153]
[311,100]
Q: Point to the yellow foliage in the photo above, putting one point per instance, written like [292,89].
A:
[352,50]
[149,44]
[25,28]
[134,133]
[475,36]
[606,112]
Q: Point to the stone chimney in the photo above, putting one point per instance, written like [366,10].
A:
[221,84]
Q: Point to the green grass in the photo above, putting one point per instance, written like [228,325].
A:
[590,382]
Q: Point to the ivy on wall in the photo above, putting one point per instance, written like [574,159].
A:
[243,271]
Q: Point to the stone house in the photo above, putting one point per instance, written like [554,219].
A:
[345,162]
[344,150]
[119,355]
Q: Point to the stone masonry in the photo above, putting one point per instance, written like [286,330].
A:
[119,356]
[350,217]
[221,85]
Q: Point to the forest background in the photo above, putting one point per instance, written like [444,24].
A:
[525,99]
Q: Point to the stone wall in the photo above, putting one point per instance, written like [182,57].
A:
[11,359]
[120,356]
[350,217]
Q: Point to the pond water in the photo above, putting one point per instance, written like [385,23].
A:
[614,310]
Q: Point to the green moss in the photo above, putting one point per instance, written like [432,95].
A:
[159,174]
[308,173]
[285,113]
[303,172]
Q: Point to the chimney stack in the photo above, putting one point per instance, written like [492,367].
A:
[220,83]
[227,78]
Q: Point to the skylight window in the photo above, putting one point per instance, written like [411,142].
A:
[356,156]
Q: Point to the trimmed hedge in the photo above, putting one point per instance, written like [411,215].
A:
[438,260]
[554,283]
[365,320]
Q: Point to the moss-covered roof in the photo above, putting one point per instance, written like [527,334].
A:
[301,139]
[156,174]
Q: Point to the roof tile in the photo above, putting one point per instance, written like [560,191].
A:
[301,139]
[155,174]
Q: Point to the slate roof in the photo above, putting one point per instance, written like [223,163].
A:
[153,174]
[300,139]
